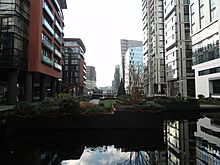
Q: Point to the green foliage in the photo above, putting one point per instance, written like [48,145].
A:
[200,96]
[210,100]
[107,102]
[101,104]
[96,111]
[67,103]
[168,100]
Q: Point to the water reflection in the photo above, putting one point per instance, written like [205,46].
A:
[112,155]
[178,141]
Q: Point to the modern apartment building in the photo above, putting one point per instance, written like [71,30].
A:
[90,77]
[31,47]
[205,34]
[178,49]
[74,70]
[125,44]
[134,71]
[153,46]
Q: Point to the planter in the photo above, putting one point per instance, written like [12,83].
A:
[182,106]
[119,120]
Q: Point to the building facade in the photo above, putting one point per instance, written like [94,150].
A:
[90,78]
[207,141]
[31,51]
[153,46]
[116,81]
[181,145]
[134,71]
[205,34]
[74,72]
[178,49]
[125,44]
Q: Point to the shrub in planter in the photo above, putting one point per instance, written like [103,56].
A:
[67,103]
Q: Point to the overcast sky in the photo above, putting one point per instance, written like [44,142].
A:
[101,24]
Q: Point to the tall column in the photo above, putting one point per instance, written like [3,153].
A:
[12,86]
[53,86]
[43,85]
[28,87]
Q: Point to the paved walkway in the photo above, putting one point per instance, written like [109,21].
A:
[94,101]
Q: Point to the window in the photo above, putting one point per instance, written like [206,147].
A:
[201,13]
[212,10]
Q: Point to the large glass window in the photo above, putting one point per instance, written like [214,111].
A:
[216,86]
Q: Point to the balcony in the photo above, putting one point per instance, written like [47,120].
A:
[46,60]
[47,44]
[47,9]
[56,52]
[58,26]
[47,25]
[58,39]
[57,66]
[58,7]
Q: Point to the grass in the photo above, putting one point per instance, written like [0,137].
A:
[108,103]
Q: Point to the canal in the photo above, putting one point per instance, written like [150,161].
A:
[180,140]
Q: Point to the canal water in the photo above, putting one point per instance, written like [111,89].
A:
[181,140]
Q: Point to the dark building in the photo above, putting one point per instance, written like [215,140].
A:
[116,81]
[74,70]
[31,47]
[90,78]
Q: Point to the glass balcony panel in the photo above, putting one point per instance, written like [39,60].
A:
[47,25]
[57,66]
[58,38]
[47,9]
[58,26]
[57,53]
[47,44]
[46,60]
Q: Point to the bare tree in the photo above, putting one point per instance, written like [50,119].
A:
[135,81]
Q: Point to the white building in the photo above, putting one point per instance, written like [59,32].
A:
[178,48]
[153,46]
[205,29]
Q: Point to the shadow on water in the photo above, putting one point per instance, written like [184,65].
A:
[37,147]
[178,140]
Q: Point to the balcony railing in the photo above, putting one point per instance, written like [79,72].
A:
[58,38]
[47,9]
[56,52]
[58,26]
[57,66]
[47,25]
[47,44]
[46,60]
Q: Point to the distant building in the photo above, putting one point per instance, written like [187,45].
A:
[90,78]
[134,70]
[74,69]
[31,33]
[125,44]
[106,91]
[178,49]
[205,33]
[116,81]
